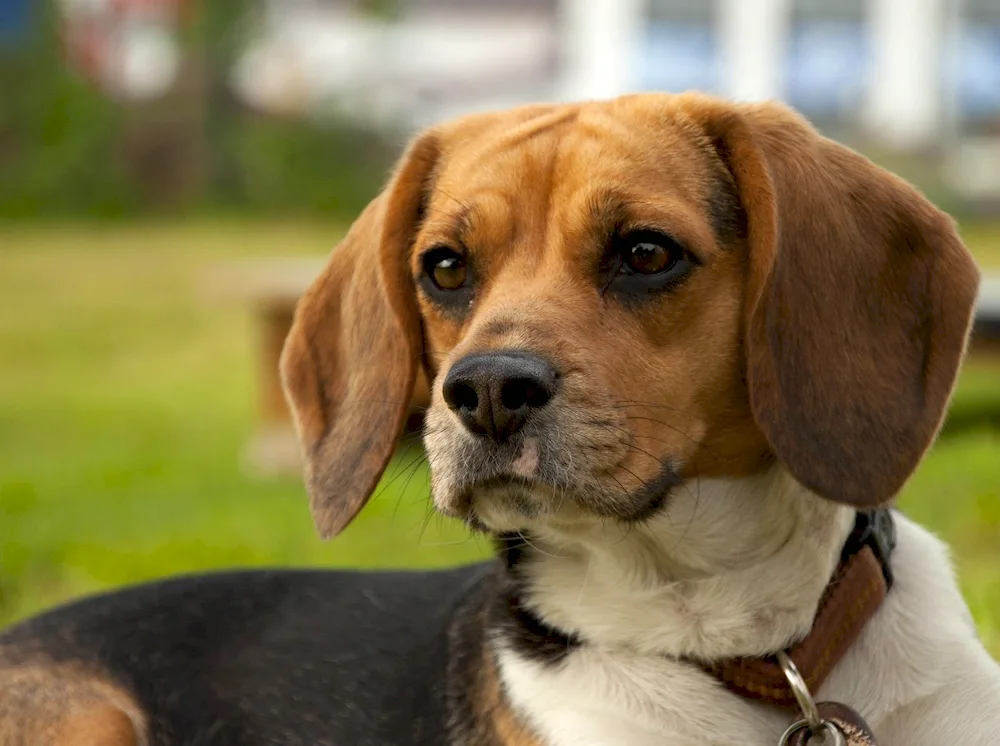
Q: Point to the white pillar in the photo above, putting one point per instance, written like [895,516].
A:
[752,36]
[602,42]
[905,105]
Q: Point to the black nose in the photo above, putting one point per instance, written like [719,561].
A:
[494,393]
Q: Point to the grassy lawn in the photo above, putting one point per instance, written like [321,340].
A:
[126,397]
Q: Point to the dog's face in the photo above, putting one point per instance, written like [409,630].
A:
[614,298]
[580,277]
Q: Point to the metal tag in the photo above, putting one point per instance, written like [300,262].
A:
[841,726]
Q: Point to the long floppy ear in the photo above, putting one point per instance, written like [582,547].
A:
[350,360]
[859,301]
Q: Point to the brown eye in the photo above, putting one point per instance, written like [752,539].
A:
[644,263]
[445,268]
[649,257]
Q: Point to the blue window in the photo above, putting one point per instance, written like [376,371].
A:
[14,17]
[974,65]
[828,57]
[680,50]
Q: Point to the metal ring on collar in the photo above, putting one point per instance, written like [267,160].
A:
[836,736]
[802,695]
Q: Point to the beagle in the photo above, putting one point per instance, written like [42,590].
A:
[684,353]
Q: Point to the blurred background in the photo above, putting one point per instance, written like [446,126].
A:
[172,173]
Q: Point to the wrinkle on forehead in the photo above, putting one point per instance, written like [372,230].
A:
[477,157]
[534,128]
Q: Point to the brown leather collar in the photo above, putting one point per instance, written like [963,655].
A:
[858,587]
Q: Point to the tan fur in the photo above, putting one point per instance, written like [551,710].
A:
[499,723]
[60,705]
[858,303]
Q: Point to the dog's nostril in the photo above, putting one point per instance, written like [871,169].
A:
[524,392]
[461,395]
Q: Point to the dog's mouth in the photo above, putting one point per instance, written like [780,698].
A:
[540,477]
[510,502]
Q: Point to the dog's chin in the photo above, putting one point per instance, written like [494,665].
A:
[501,508]
[501,504]
[514,506]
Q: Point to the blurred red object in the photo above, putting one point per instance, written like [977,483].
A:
[114,43]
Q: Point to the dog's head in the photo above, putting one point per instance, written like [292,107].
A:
[613,298]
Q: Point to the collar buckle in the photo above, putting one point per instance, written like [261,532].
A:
[875,529]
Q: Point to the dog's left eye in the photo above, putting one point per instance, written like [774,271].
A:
[649,255]
[645,262]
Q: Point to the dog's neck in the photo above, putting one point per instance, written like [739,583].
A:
[732,567]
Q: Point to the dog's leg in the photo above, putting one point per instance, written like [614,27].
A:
[49,705]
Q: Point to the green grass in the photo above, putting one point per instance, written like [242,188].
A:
[983,238]
[127,396]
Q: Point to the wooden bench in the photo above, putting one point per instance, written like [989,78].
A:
[986,329]
[272,288]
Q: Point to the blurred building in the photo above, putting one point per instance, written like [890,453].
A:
[428,60]
[907,75]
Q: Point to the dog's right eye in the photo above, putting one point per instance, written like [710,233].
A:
[445,268]
[447,279]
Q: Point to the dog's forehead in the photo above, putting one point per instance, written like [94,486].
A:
[640,144]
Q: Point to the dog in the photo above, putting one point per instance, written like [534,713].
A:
[684,354]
